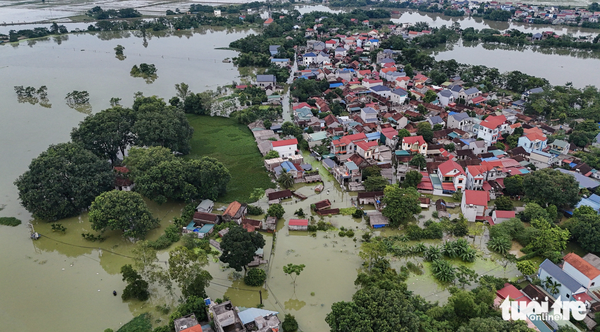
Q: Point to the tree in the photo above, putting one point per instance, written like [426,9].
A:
[160,125]
[550,239]
[185,268]
[122,210]
[63,181]
[499,244]
[372,252]
[119,52]
[548,186]
[371,171]
[408,69]
[443,271]
[424,129]
[183,180]
[450,147]
[286,180]
[514,185]
[136,287]
[276,210]
[289,323]
[504,203]
[586,231]
[500,146]
[533,211]
[412,179]
[140,160]
[418,161]
[106,133]
[374,309]
[198,103]
[526,267]
[429,96]
[375,183]
[255,277]
[494,324]
[238,247]
[402,133]
[400,204]
[183,91]
[293,271]
[272,154]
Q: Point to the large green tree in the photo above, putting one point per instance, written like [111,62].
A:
[106,133]
[160,125]
[400,204]
[63,181]
[183,180]
[374,309]
[495,324]
[514,185]
[239,246]
[122,210]
[424,129]
[140,160]
[185,268]
[412,179]
[586,231]
[548,186]
[375,183]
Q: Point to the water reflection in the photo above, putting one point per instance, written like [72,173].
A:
[294,304]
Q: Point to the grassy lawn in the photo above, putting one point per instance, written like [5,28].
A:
[233,145]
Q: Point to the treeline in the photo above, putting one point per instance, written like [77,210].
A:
[101,14]
[183,22]
[55,29]
[562,102]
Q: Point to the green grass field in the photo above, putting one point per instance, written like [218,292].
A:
[233,145]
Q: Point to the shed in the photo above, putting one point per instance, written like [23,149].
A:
[205,206]
[324,204]
[378,220]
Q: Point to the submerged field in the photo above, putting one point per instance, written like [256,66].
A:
[233,145]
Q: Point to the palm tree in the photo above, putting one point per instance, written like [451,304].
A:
[553,287]
[286,180]
[443,271]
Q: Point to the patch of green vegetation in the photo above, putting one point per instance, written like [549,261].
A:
[214,137]
[141,323]
[10,221]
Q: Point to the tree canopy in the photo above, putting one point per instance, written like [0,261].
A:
[548,186]
[400,204]
[63,181]
[412,179]
[122,210]
[239,246]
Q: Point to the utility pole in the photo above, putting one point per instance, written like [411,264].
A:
[260,294]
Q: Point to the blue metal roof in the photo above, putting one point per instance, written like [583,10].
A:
[191,226]
[373,136]
[336,85]
[206,228]
[561,276]
[250,314]
[351,166]
[330,163]
[288,166]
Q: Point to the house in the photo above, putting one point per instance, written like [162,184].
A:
[490,129]
[340,52]
[557,282]
[469,94]
[473,204]
[187,323]
[366,149]
[436,119]
[414,144]
[452,176]
[322,205]
[533,139]
[389,137]
[268,22]
[457,91]
[382,90]
[541,157]
[202,218]
[377,220]
[199,229]
[348,171]
[309,58]
[445,97]
[369,83]
[499,216]
[205,206]
[279,195]
[285,148]
[122,181]
[399,96]
[368,114]
[225,317]
[273,49]
[251,225]
[460,121]
[559,147]
[475,177]
[264,81]
[347,144]
[298,225]
[478,147]
[580,270]
[235,212]
[530,92]
[372,197]
[260,320]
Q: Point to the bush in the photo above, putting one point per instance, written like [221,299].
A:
[141,323]
[289,324]
[173,233]
[357,214]
[255,210]
[312,228]
[10,221]
[255,277]
[161,243]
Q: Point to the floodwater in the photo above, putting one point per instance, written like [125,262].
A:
[557,66]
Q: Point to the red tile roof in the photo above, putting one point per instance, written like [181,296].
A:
[505,214]
[475,170]
[450,166]
[413,139]
[232,209]
[510,291]
[583,297]
[123,170]
[350,138]
[492,122]
[366,145]
[269,21]
[476,197]
[582,266]
[285,142]
[298,222]
[195,328]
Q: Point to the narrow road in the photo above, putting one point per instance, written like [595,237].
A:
[285,103]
